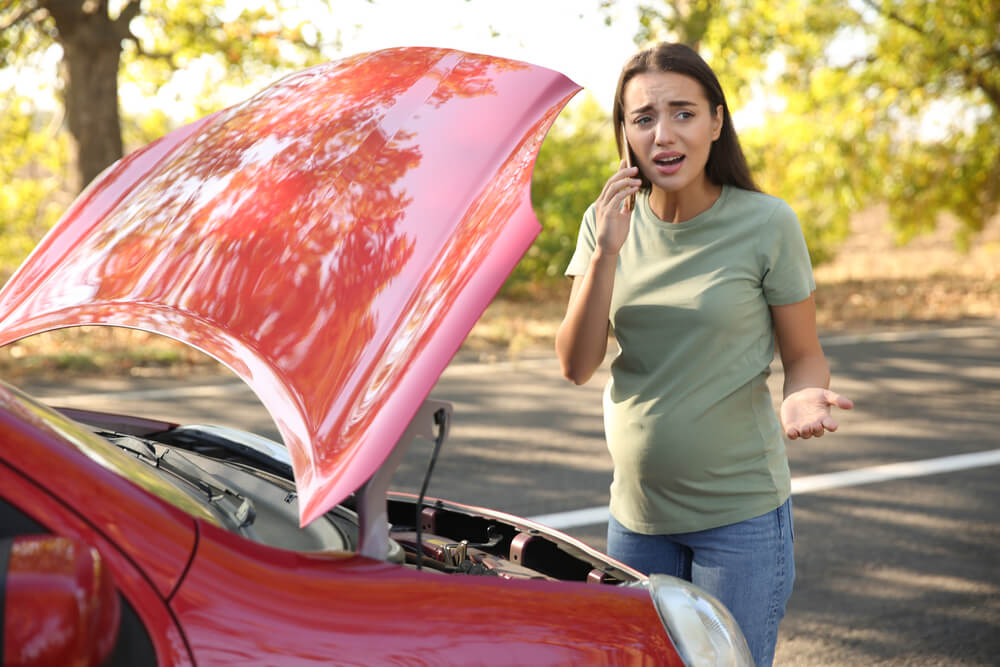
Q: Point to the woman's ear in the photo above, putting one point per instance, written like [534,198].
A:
[717,122]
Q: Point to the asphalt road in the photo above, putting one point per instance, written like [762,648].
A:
[897,564]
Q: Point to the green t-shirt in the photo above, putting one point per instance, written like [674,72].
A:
[689,420]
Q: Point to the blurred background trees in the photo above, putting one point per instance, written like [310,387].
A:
[143,42]
[850,103]
[840,104]
[48,154]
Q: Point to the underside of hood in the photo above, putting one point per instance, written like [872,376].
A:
[332,240]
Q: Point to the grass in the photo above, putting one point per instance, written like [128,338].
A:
[872,284]
[99,351]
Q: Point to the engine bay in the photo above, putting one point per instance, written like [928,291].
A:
[248,486]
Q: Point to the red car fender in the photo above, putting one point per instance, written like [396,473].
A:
[37,441]
[247,604]
[168,642]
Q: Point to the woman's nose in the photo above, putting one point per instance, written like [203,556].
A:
[664,134]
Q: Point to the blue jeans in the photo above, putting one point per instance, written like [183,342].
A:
[749,566]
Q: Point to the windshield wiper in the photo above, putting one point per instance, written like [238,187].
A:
[237,508]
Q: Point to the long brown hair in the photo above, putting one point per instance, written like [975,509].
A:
[726,163]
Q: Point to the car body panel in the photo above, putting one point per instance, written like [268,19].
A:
[35,440]
[131,578]
[239,602]
[61,606]
[332,240]
[310,607]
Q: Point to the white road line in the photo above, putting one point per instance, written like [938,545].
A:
[573,518]
[891,471]
[812,483]
[597,515]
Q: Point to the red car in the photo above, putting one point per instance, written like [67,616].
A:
[331,240]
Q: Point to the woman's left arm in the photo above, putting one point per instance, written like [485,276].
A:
[805,409]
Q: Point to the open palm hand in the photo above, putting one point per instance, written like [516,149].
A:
[806,413]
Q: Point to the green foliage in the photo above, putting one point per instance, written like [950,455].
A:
[681,21]
[232,49]
[155,39]
[33,157]
[160,38]
[137,131]
[575,160]
[869,101]
[865,101]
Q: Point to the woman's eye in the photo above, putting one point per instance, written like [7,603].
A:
[684,115]
[642,120]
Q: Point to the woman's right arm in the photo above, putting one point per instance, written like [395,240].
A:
[582,338]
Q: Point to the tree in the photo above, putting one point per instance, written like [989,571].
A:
[32,163]
[149,40]
[576,158]
[867,101]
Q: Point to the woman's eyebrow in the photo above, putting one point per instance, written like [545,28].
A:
[646,108]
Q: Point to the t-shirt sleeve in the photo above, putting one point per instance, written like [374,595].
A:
[586,243]
[787,275]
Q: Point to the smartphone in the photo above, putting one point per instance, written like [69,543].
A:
[630,200]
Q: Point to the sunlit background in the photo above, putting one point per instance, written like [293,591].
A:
[842,105]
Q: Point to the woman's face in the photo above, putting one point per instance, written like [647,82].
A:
[670,127]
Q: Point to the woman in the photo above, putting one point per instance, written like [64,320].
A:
[696,272]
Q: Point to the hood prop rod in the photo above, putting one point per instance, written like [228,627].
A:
[441,421]
[371,501]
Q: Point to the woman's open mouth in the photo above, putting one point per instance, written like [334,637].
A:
[668,164]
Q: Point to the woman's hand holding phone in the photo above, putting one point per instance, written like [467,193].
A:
[614,206]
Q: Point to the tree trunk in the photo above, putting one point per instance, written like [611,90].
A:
[91,54]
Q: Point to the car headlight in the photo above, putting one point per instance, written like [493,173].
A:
[701,628]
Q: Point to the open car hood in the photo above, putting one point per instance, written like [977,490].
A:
[332,240]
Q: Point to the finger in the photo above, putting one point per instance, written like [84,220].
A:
[830,425]
[792,433]
[622,166]
[811,430]
[622,193]
[614,185]
[841,402]
[611,183]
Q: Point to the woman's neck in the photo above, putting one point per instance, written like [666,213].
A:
[683,205]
